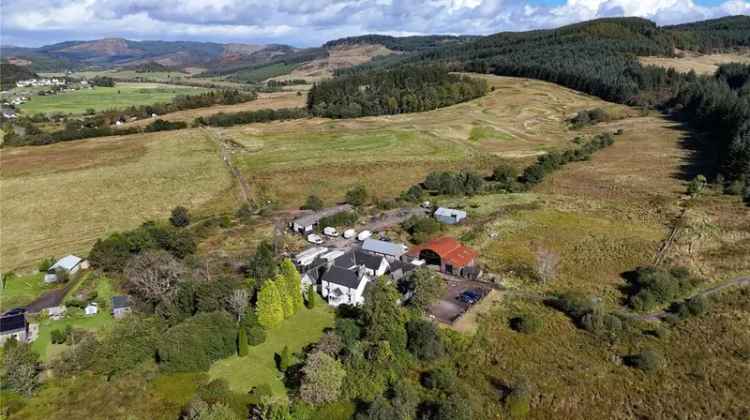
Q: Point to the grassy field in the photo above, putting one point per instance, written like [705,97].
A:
[519,120]
[92,187]
[259,366]
[106,98]
[59,199]
[701,64]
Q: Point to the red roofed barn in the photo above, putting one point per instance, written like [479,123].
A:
[446,252]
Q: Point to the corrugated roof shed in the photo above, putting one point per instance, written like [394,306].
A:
[66,263]
[383,247]
[449,250]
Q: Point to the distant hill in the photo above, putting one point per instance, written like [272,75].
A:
[11,73]
[405,43]
[149,67]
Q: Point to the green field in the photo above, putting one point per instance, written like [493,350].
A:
[259,367]
[105,98]
[262,73]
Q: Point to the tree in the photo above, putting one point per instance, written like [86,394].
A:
[454,407]
[322,379]
[382,315]
[154,275]
[21,367]
[527,324]
[262,265]
[505,175]
[697,185]
[414,193]
[349,331]
[238,302]
[357,196]
[547,263]
[313,202]
[647,360]
[285,359]
[269,308]
[242,343]
[312,296]
[180,217]
[427,286]
[293,284]
[424,340]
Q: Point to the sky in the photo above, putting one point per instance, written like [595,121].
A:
[306,23]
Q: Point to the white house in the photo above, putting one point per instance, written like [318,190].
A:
[342,286]
[91,309]
[70,264]
[449,216]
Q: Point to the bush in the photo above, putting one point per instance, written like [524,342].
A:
[339,219]
[526,324]
[45,264]
[413,194]
[256,335]
[161,125]
[517,401]
[197,342]
[242,343]
[650,286]
[647,360]
[357,196]
[421,228]
[57,337]
[180,217]
[442,378]
[313,202]
[423,340]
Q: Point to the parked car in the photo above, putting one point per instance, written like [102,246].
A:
[330,231]
[364,235]
[350,233]
[469,297]
[314,239]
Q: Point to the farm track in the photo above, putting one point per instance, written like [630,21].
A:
[227,158]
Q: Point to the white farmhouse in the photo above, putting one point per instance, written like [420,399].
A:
[342,286]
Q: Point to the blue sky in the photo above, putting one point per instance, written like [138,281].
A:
[311,22]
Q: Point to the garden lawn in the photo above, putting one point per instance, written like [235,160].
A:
[259,366]
[22,290]
[105,98]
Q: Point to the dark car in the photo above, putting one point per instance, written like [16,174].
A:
[470,297]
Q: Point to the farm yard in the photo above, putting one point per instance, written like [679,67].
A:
[106,98]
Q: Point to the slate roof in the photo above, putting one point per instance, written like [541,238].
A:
[13,320]
[383,247]
[343,277]
[358,257]
[119,302]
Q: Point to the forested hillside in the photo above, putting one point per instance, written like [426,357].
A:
[404,89]
[600,58]
[406,43]
[11,73]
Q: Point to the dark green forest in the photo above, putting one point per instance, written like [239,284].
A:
[400,90]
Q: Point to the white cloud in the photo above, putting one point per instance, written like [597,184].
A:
[311,22]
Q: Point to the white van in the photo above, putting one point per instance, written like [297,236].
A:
[314,239]
[330,231]
[364,235]
[350,233]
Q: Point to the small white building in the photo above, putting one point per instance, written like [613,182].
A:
[56,312]
[69,264]
[342,286]
[449,216]
[91,309]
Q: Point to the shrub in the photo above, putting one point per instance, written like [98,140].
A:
[313,202]
[647,360]
[57,337]
[413,194]
[517,401]
[256,335]
[339,219]
[421,228]
[357,196]
[242,343]
[197,342]
[442,378]
[526,324]
[45,264]
[161,125]
[423,340]
[180,217]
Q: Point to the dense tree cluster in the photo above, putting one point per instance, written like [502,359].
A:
[650,286]
[197,342]
[400,90]
[112,253]
[223,119]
